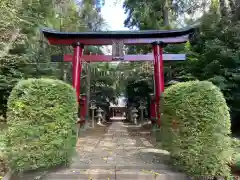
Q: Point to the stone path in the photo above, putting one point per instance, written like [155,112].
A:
[116,152]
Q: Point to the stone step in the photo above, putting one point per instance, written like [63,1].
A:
[110,174]
[83,174]
[104,174]
[145,174]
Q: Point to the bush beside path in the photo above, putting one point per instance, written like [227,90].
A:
[196,129]
[41,121]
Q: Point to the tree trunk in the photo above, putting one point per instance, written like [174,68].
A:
[166,14]
[223,9]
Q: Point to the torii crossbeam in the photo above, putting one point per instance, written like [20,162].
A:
[126,58]
[158,40]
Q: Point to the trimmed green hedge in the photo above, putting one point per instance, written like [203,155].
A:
[196,128]
[41,121]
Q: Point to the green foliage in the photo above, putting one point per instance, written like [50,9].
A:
[102,79]
[102,87]
[236,143]
[23,51]
[196,128]
[235,161]
[3,162]
[214,57]
[3,167]
[41,120]
[152,14]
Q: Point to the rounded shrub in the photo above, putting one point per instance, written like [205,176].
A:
[41,119]
[196,128]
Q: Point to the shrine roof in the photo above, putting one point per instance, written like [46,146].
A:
[107,37]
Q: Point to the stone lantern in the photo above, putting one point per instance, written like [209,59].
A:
[134,115]
[93,107]
[99,115]
[142,107]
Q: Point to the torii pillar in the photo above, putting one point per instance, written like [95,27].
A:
[77,68]
[158,76]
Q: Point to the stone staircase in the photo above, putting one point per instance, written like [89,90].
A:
[144,173]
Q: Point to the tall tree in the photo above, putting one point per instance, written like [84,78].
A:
[215,56]
[23,51]
[163,14]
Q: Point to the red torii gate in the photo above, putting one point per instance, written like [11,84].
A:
[158,40]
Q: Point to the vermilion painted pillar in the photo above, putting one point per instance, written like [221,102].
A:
[153,114]
[77,68]
[83,107]
[158,75]
[153,105]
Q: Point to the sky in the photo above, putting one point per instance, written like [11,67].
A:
[114,15]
